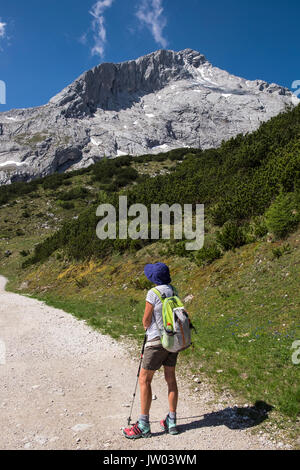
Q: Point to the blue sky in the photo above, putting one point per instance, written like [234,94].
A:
[45,45]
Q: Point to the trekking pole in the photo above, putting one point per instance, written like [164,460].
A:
[138,374]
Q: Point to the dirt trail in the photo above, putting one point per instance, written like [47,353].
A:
[64,386]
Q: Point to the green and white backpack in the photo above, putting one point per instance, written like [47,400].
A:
[176,333]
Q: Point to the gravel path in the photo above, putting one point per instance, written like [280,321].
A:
[65,386]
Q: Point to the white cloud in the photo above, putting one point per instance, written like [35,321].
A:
[98,26]
[2,29]
[83,38]
[150,13]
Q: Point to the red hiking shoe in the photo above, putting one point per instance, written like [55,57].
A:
[137,431]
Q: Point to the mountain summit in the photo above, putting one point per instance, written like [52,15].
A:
[159,102]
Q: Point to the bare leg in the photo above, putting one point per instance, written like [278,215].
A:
[172,388]
[145,380]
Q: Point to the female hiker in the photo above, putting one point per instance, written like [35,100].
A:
[156,356]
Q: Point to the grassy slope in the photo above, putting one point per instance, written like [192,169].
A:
[246,305]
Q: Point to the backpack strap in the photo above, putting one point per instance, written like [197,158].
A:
[156,291]
[175,293]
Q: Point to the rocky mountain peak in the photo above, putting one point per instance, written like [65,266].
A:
[158,102]
[106,84]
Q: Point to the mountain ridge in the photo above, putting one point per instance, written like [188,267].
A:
[158,102]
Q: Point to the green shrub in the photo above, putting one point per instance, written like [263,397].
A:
[277,253]
[219,214]
[255,230]
[207,255]
[124,176]
[280,251]
[14,190]
[55,181]
[115,173]
[34,195]
[81,283]
[260,228]
[283,215]
[143,159]
[75,193]
[125,160]
[24,253]
[109,187]
[161,157]
[142,283]
[178,249]
[231,236]
[67,205]
[180,154]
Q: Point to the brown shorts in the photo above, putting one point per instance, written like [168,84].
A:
[157,356]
